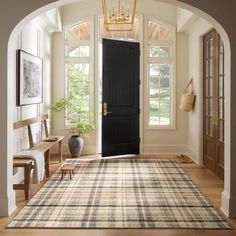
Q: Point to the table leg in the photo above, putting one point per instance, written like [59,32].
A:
[27,180]
[47,163]
[60,150]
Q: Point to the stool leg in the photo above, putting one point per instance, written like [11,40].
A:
[62,174]
[70,174]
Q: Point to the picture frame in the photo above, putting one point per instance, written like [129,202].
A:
[30,79]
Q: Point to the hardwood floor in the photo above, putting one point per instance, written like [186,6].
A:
[210,185]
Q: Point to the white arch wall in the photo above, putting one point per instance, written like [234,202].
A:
[10,16]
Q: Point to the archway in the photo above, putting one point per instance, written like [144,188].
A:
[8,205]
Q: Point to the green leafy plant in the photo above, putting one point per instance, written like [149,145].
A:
[76,116]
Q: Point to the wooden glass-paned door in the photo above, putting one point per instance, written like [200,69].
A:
[213,112]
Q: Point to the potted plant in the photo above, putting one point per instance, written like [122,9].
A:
[78,119]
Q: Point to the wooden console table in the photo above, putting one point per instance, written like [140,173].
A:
[41,146]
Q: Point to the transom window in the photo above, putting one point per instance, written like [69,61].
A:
[160,61]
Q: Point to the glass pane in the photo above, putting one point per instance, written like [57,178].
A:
[164,119]
[221,130]
[207,49]
[153,88]
[221,46]
[211,67]
[211,47]
[154,112]
[221,87]
[207,108]
[73,33]
[156,51]
[207,126]
[153,81]
[221,108]
[78,82]
[165,33]
[164,107]
[206,69]
[211,127]
[164,94]
[164,75]
[158,32]
[164,113]
[207,88]
[153,31]
[164,82]
[221,64]
[211,87]
[85,31]
[81,51]
[211,108]
[154,69]
[79,32]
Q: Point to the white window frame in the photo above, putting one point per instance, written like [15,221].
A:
[170,60]
[81,60]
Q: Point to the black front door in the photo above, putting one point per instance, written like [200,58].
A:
[120,98]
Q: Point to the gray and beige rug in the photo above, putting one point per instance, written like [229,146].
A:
[120,193]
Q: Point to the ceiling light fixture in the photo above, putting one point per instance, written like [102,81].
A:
[119,16]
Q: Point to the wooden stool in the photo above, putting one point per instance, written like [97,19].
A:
[67,167]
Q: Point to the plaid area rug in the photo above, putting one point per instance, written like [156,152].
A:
[120,193]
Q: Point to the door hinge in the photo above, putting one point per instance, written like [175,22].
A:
[139,111]
[139,140]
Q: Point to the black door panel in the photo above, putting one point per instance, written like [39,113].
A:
[120,126]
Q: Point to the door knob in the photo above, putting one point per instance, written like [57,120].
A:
[105,112]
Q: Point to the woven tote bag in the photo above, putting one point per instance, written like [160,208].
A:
[187,98]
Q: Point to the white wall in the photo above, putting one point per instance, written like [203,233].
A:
[172,141]
[34,38]
[195,62]
[153,141]
[184,19]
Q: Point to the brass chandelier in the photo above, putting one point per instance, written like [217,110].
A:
[119,16]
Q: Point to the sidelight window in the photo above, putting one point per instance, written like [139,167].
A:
[160,72]
[78,58]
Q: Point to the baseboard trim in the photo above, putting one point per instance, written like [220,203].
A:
[87,149]
[193,155]
[7,204]
[228,205]
[152,149]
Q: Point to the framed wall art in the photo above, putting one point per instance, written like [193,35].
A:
[30,79]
